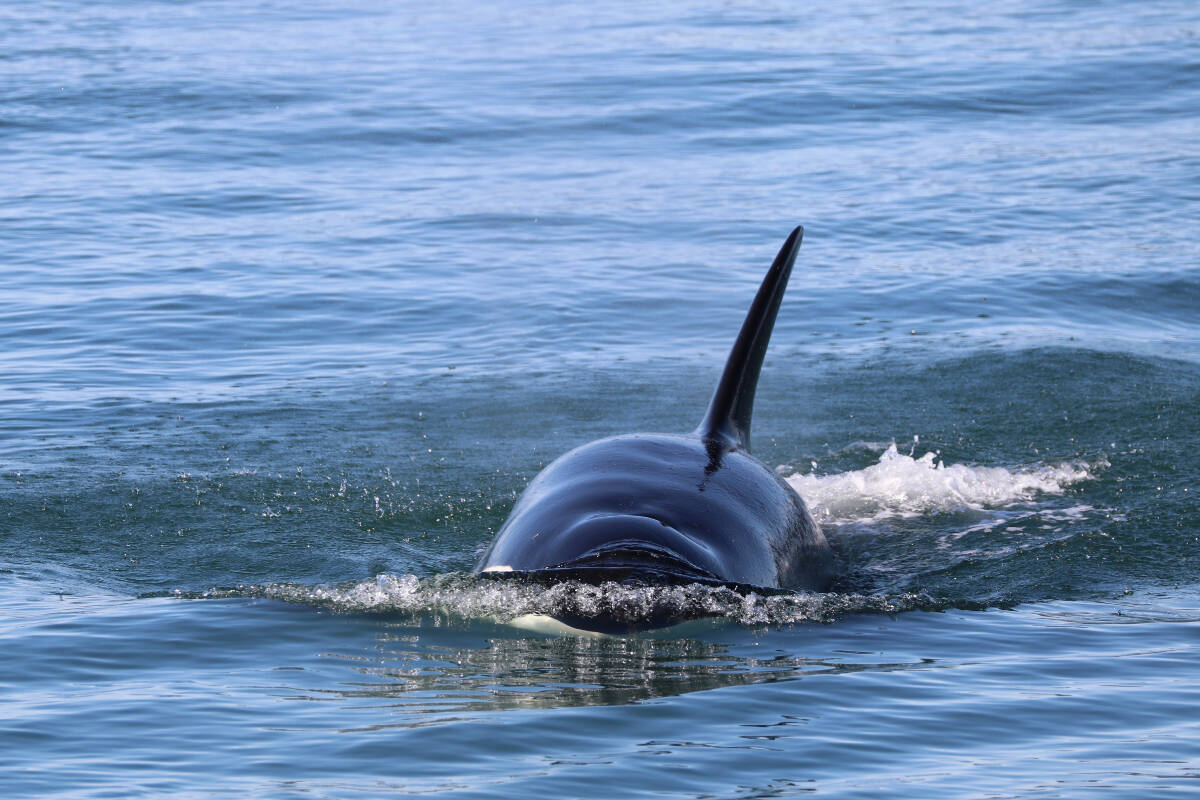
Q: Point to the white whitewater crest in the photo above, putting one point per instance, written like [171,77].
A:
[903,486]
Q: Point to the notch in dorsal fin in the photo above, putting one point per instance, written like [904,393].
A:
[728,417]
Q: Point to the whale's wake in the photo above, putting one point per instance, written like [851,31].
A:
[898,486]
[903,486]
[457,598]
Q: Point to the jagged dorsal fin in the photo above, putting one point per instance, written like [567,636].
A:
[728,417]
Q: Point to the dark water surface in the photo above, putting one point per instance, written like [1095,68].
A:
[296,298]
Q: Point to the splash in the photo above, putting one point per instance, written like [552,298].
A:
[903,486]
[453,598]
[897,486]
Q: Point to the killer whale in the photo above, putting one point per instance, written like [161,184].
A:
[673,508]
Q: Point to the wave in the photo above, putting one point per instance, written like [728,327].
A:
[903,486]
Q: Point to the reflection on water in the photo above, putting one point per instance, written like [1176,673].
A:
[427,680]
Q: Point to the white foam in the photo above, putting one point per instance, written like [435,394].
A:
[450,599]
[903,486]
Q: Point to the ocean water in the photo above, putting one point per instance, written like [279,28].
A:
[296,297]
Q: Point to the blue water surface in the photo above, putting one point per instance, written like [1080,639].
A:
[296,298]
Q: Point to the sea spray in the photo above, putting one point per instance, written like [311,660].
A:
[904,486]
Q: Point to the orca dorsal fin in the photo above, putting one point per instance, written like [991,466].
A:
[728,417]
